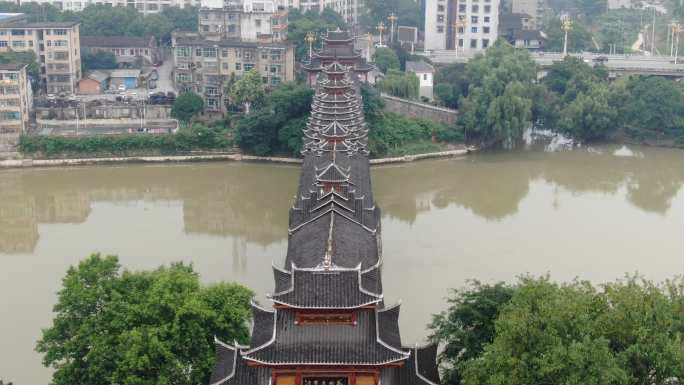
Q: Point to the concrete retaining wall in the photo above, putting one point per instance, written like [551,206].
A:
[109,111]
[412,109]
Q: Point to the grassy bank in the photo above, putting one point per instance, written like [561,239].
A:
[198,138]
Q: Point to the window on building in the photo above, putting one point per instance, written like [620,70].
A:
[474,19]
[18,32]
[424,76]
[460,43]
[257,23]
[440,18]
[61,55]
[473,43]
[224,53]
[487,19]
[225,66]
[183,51]
[209,52]
[275,55]
[440,8]
[198,52]
[60,32]
[462,8]
[248,67]
[485,43]
[3,43]
[475,8]
[440,29]
[60,43]
[238,66]
[18,44]
[485,29]
[264,55]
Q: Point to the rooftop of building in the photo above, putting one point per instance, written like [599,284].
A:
[419,66]
[118,41]
[125,73]
[14,66]
[529,34]
[195,40]
[19,20]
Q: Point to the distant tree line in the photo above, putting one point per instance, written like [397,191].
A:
[499,97]
[104,20]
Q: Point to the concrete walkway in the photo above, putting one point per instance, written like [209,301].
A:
[15,163]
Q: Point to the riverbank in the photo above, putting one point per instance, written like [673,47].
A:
[19,163]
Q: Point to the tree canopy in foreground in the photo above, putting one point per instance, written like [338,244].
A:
[628,332]
[144,328]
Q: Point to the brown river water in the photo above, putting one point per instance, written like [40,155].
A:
[594,213]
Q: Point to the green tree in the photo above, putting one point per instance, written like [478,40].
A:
[654,107]
[33,69]
[498,107]
[277,126]
[186,106]
[451,84]
[97,60]
[386,59]
[149,327]
[248,91]
[579,38]
[571,76]
[467,326]
[183,19]
[590,116]
[546,335]
[400,84]
[299,24]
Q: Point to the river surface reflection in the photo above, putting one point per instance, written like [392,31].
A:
[593,213]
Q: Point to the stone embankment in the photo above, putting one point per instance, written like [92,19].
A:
[15,163]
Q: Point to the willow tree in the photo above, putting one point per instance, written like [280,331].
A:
[498,107]
[400,84]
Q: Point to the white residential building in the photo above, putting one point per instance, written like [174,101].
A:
[425,73]
[470,25]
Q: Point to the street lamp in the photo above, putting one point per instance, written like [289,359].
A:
[381,27]
[676,30]
[369,37]
[567,27]
[392,19]
[310,38]
[460,23]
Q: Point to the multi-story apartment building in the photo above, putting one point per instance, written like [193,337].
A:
[205,66]
[248,21]
[466,25]
[16,98]
[55,44]
[350,10]
[143,6]
[534,8]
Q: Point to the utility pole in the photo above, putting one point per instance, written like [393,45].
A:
[677,29]
[369,37]
[567,27]
[653,33]
[381,27]
[392,19]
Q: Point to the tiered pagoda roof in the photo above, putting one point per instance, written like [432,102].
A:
[328,305]
[337,47]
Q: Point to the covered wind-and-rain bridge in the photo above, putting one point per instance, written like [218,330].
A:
[329,324]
